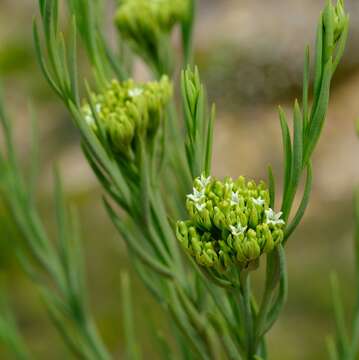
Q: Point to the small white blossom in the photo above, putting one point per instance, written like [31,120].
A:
[238,229]
[204,181]
[235,198]
[89,119]
[135,92]
[274,218]
[259,201]
[197,195]
[200,207]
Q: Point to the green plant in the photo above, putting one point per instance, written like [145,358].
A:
[56,268]
[132,138]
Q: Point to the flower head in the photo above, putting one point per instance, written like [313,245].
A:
[220,235]
[145,22]
[127,109]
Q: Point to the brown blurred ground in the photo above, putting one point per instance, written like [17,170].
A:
[251,56]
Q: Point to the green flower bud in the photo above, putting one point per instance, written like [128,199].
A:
[232,223]
[144,23]
[335,22]
[224,256]
[126,110]
[182,233]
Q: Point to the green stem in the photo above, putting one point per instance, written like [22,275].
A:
[265,306]
[248,318]
[94,341]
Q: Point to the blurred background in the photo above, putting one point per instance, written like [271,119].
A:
[250,54]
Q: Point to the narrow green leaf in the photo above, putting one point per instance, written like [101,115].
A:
[9,333]
[318,61]
[41,60]
[306,82]
[209,142]
[187,32]
[318,116]
[135,247]
[133,349]
[56,314]
[341,332]
[154,286]
[72,61]
[282,292]
[287,151]
[194,316]
[297,150]
[271,187]
[303,205]
[341,46]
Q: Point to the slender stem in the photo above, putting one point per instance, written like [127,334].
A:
[248,318]
[266,302]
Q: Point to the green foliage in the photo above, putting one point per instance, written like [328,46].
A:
[133,141]
[55,268]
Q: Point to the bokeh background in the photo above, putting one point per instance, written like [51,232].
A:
[250,53]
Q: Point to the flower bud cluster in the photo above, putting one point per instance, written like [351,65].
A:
[144,23]
[128,109]
[230,223]
[136,16]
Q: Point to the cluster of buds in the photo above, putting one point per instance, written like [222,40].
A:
[231,223]
[126,110]
[144,22]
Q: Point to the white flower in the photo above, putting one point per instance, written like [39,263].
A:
[135,92]
[89,119]
[197,195]
[98,108]
[238,229]
[274,218]
[259,201]
[235,198]
[200,207]
[204,181]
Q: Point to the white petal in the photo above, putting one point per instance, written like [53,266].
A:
[135,92]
